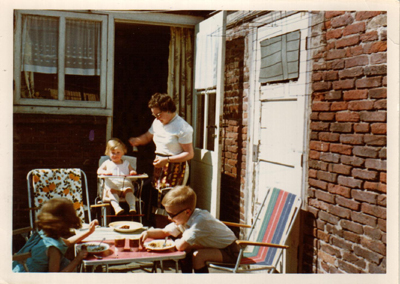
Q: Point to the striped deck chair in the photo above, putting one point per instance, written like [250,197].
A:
[44,184]
[265,245]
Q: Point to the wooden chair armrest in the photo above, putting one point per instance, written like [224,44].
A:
[242,242]
[100,205]
[22,230]
[21,256]
[231,224]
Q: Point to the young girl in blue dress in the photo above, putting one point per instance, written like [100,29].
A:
[47,245]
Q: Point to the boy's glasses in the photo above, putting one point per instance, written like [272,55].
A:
[157,115]
[172,216]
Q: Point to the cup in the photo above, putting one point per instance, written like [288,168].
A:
[133,242]
[119,242]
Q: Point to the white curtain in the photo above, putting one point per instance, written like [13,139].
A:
[40,46]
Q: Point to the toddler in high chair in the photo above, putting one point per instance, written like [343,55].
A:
[117,166]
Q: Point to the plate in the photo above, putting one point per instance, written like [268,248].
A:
[157,245]
[92,247]
[126,227]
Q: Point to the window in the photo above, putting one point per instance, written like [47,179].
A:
[280,58]
[60,59]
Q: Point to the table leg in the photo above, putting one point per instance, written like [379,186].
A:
[176,266]
[161,266]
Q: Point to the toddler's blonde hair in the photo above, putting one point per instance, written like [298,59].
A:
[180,196]
[115,143]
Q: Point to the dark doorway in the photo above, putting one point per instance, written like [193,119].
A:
[140,70]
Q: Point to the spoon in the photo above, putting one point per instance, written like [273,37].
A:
[101,242]
[165,242]
[98,257]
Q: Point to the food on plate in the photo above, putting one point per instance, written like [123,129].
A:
[93,247]
[125,227]
[159,244]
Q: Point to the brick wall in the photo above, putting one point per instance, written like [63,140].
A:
[234,133]
[347,158]
[54,141]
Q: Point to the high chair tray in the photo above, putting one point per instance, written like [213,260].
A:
[127,176]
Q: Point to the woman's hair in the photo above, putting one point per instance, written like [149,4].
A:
[180,196]
[113,144]
[163,102]
[57,217]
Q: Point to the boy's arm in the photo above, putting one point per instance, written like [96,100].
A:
[77,238]
[152,233]
[181,245]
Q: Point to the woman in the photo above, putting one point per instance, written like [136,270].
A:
[173,137]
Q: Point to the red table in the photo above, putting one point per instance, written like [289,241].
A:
[126,255]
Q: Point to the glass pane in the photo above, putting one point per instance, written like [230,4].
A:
[82,60]
[39,57]
[200,121]
[211,128]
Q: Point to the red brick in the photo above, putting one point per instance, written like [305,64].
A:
[336,64]
[355,238]
[375,47]
[364,151]
[347,117]
[341,21]
[381,200]
[383,177]
[321,106]
[376,246]
[333,230]
[361,105]
[334,34]
[329,157]
[378,128]
[380,105]
[366,15]
[331,250]
[350,257]
[374,116]
[341,149]
[332,14]
[339,190]
[328,217]
[368,255]
[330,75]
[319,66]
[314,155]
[312,173]
[349,182]
[361,127]
[317,76]
[365,196]
[326,116]
[319,146]
[363,218]
[341,127]
[348,41]
[373,233]
[353,139]
[318,204]
[365,174]
[351,226]
[317,183]
[333,95]
[382,188]
[381,225]
[355,94]
[325,257]
[351,72]
[321,86]
[338,106]
[361,60]
[343,84]
[375,70]
[370,36]
[379,58]
[375,140]
[369,82]
[318,165]
[374,210]
[348,203]
[326,176]
[384,81]
[328,137]
[324,196]
[371,186]
[319,126]
[354,51]
[336,54]
[354,29]
[350,160]
[316,96]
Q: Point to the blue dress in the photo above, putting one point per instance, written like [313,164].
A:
[38,245]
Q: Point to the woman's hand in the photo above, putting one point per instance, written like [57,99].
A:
[160,162]
[134,141]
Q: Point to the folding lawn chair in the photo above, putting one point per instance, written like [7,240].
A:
[103,201]
[267,235]
[45,184]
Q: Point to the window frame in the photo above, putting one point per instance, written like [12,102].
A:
[60,102]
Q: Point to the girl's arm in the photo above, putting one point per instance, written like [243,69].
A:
[78,238]
[132,170]
[141,140]
[103,169]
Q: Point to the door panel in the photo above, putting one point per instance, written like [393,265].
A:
[208,98]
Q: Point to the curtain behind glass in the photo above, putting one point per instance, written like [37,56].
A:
[180,61]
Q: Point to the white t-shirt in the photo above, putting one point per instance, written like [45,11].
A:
[168,138]
[118,170]
[203,229]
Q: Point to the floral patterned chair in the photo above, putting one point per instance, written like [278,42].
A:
[44,184]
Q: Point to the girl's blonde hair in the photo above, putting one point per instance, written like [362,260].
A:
[57,217]
[115,143]
[180,196]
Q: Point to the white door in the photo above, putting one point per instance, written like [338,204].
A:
[281,103]
[207,99]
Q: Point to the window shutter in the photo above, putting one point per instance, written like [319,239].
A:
[280,58]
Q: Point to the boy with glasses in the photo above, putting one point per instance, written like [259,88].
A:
[202,236]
